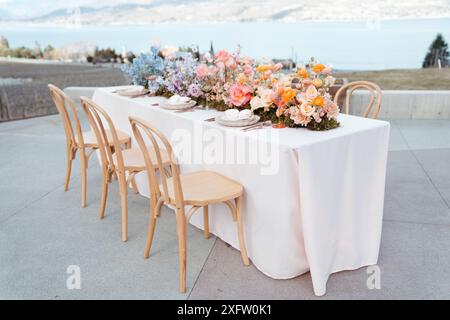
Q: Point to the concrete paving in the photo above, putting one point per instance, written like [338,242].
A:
[44,230]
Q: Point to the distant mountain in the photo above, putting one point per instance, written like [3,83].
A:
[181,11]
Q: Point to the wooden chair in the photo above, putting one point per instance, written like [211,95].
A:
[375,95]
[78,140]
[120,163]
[196,189]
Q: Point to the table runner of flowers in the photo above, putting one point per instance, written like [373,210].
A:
[228,80]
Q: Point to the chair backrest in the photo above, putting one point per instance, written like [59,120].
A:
[142,129]
[375,95]
[96,117]
[70,118]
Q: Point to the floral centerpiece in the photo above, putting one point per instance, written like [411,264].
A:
[299,100]
[228,80]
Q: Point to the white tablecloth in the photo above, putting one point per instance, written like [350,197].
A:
[318,209]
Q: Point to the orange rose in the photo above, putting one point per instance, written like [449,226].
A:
[288,95]
[302,73]
[318,101]
[318,68]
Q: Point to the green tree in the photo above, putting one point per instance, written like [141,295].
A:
[438,51]
[211,49]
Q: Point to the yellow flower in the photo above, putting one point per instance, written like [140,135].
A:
[318,101]
[317,82]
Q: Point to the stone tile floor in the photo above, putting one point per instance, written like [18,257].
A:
[43,230]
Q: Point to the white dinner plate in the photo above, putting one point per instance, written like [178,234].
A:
[132,92]
[221,119]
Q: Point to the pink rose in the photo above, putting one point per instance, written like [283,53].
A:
[248,69]
[239,95]
[222,56]
[202,71]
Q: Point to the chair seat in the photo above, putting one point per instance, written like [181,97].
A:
[90,140]
[205,187]
[134,160]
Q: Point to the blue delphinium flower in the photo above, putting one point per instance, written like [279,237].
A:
[146,65]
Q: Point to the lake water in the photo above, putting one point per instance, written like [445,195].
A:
[344,45]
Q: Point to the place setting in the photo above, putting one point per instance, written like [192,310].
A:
[245,119]
[134,91]
[179,104]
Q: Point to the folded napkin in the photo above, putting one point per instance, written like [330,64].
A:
[235,114]
[176,99]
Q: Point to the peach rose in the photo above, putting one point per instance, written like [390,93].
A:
[239,94]
[266,97]
[317,82]
[306,109]
[255,103]
[311,92]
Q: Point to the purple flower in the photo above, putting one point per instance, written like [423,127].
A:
[194,90]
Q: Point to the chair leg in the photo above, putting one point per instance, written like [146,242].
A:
[83,177]
[124,205]
[133,183]
[69,168]
[105,184]
[151,228]
[205,222]
[240,225]
[181,226]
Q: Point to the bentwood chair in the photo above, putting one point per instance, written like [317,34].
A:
[77,140]
[196,189]
[375,95]
[123,164]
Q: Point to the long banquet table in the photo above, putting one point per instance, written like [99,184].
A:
[316,206]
